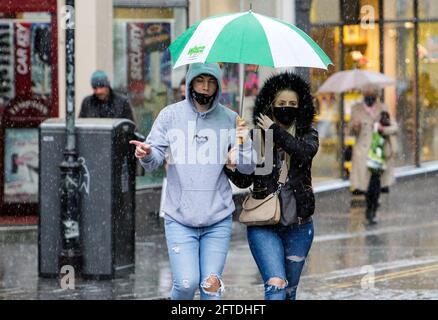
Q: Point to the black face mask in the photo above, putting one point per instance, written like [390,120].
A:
[202,99]
[369,100]
[285,115]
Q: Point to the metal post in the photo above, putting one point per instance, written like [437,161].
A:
[381,45]
[302,8]
[341,149]
[70,168]
[417,88]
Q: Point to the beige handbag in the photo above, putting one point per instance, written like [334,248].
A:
[267,211]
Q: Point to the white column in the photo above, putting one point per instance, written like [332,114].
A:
[194,11]
[61,60]
[286,10]
[93,45]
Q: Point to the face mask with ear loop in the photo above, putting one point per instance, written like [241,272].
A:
[202,99]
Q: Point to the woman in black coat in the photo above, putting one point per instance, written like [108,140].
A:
[284,105]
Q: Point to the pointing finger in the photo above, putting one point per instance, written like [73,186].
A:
[137,143]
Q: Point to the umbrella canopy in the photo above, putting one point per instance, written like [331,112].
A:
[347,80]
[248,38]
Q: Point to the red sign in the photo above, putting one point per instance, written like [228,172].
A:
[136,84]
[23,75]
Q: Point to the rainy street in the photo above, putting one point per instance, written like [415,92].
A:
[395,259]
[117,116]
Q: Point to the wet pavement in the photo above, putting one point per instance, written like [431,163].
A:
[395,259]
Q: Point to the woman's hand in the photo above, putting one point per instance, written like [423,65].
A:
[231,159]
[264,122]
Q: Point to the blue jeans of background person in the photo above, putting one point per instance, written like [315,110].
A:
[280,252]
[196,254]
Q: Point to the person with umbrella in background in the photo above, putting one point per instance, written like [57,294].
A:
[367,118]
[198,206]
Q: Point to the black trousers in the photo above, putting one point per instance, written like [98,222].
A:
[373,194]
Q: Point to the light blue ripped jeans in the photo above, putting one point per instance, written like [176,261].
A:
[195,254]
[280,252]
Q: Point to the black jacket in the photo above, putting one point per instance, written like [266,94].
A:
[116,106]
[301,148]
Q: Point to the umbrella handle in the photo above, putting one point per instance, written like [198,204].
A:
[241,86]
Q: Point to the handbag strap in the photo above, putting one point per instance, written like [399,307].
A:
[282,179]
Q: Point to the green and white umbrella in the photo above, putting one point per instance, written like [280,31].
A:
[247,38]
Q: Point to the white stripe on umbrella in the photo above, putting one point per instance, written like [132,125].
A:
[204,36]
[285,40]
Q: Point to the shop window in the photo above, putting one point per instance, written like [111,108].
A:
[428,9]
[325,11]
[428,90]
[398,9]
[327,161]
[25,55]
[399,64]
[142,65]
[28,96]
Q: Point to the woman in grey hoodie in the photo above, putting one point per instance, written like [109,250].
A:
[195,136]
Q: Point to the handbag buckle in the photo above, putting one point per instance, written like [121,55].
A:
[280,186]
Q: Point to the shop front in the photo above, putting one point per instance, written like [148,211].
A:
[142,64]
[396,37]
[28,96]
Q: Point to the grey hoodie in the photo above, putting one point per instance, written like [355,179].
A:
[196,145]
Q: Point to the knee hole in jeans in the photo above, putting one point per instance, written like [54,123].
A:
[212,284]
[296,258]
[277,283]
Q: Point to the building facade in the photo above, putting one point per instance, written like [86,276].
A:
[128,39]
[396,37]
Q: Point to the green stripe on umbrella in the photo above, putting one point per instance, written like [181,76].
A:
[240,46]
[247,38]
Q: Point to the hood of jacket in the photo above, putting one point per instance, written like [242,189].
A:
[286,81]
[197,69]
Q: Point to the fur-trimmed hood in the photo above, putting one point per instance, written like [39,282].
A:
[286,81]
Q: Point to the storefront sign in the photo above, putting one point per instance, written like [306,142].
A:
[23,79]
[31,107]
[135,51]
[157,36]
[6,62]
[135,62]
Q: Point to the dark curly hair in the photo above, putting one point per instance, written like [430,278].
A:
[286,81]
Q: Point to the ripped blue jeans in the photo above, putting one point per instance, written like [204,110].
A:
[195,255]
[280,252]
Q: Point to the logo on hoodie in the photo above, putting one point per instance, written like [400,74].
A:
[196,51]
